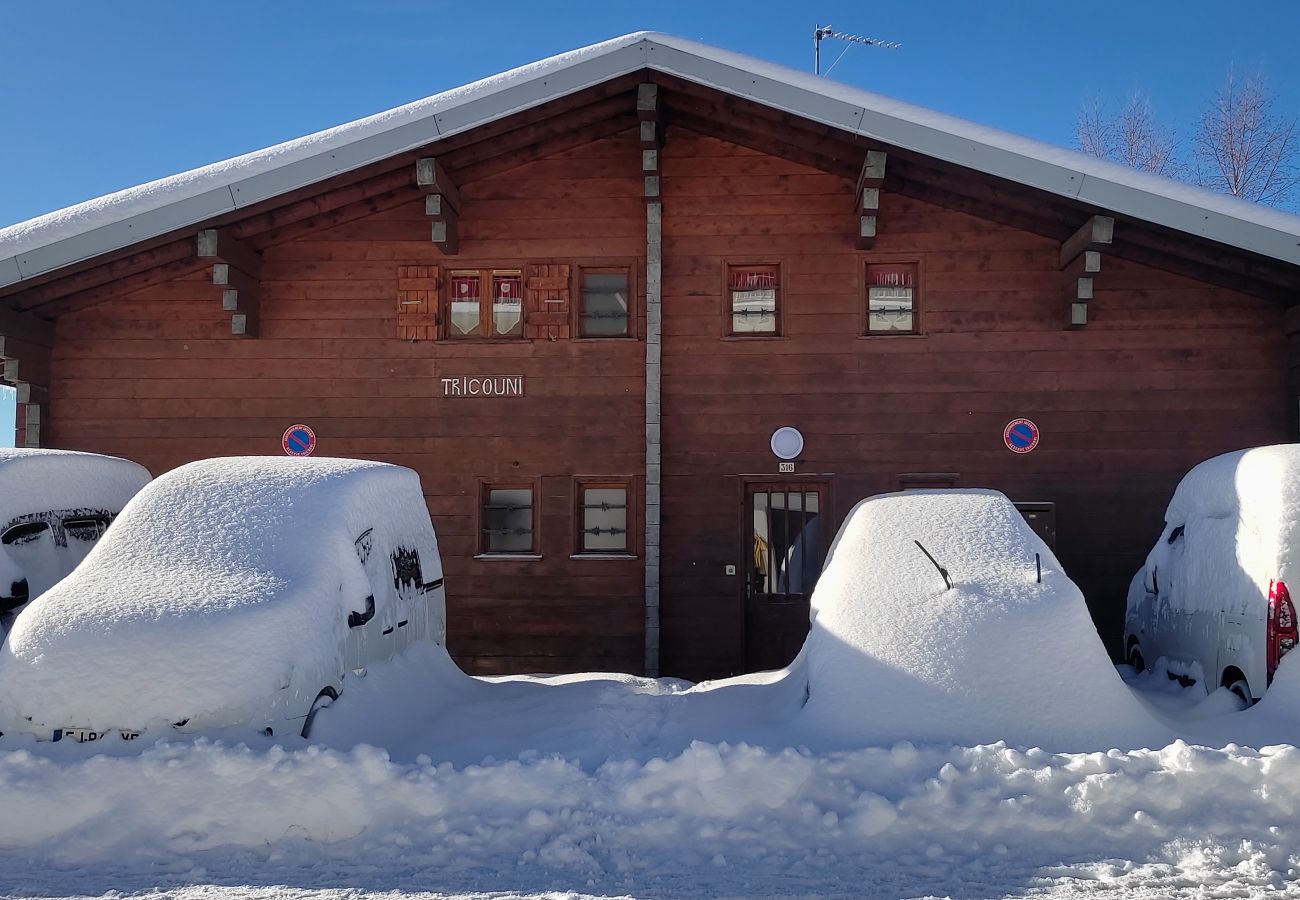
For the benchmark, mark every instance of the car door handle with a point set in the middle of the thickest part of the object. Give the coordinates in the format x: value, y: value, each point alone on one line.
x: 356, y: 619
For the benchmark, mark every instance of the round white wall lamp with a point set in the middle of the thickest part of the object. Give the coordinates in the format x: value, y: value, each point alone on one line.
x: 787, y: 442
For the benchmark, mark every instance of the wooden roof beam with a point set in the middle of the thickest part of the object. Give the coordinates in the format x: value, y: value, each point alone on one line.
x: 237, y: 275
x: 25, y: 366
x: 441, y: 204
x: 867, y: 196
x: 651, y: 127
x: 432, y: 178
x: 218, y: 245
x: 1081, y: 264
x: 1095, y: 234
x: 106, y: 275
x: 27, y: 327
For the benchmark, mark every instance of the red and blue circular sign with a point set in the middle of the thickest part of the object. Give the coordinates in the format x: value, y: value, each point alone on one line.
x: 298, y: 440
x: 1020, y: 435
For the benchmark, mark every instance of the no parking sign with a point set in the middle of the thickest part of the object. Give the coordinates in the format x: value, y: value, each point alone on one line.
x: 1020, y: 435
x: 298, y: 440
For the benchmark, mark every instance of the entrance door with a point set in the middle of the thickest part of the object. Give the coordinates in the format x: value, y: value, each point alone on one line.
x: 784, y: 545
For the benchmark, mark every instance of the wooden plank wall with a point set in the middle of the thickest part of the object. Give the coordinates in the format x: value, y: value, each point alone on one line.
x: 1168, y: 372
x: 156, y: 377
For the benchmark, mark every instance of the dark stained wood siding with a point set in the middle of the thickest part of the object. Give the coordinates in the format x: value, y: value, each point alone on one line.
x: 155, y: 376
x: 1168, y: 372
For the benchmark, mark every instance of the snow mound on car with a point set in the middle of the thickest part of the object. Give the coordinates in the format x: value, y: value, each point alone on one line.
x: 894, y: 654
x: 215, y: 581
x: 1250, y: 500
x: 36, y: 480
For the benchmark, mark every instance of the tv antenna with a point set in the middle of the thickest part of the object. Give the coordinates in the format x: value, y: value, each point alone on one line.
x: 825, y: 31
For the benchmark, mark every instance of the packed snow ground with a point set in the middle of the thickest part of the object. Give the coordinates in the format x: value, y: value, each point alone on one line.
x: 614, y: 798
x: 425, y: 782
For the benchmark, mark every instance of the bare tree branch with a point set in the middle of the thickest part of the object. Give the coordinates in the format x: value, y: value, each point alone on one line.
x: 1244, y: 147
x: 1133, y: 137
x: 1092, y: 133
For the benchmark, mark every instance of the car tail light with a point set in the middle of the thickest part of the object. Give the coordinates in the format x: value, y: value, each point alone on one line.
x: 1282, y: 633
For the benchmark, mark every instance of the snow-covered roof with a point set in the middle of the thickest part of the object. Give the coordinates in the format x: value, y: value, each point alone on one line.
x: 119, y: 220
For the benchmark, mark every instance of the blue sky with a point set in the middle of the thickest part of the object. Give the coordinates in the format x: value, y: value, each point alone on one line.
x: 101, y: 96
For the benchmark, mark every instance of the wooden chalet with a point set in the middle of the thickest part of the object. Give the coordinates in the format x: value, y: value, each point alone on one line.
x: 584, y: 298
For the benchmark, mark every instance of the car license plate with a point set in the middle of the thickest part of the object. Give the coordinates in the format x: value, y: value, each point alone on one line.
x: 86, y: 735
x: 80, y: 735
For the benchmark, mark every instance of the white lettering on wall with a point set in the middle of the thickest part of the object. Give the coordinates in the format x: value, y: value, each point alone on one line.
x: 483, y: 386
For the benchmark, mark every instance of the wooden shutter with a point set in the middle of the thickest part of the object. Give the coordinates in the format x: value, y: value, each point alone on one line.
x: 548, y: 289
x: 417, y: 303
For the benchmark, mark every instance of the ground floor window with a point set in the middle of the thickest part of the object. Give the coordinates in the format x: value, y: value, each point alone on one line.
x: 508, y: 522
x: 602, y: 517
x: 606, y: 302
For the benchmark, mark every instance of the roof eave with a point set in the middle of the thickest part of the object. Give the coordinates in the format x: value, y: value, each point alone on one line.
x: 796, y: 93
x: 439, y: 122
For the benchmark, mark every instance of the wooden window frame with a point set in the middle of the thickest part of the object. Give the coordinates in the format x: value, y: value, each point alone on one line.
x: 485, y: 299
x: 484, y: 491
x: 580, y: 486
x: 918, y: 295
x: 633, y: 305
x: 728, y: 319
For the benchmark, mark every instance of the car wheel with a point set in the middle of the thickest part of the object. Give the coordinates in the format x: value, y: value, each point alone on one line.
x: 1135, y: 659
x: 323, y: 699
x: 1242, y: 690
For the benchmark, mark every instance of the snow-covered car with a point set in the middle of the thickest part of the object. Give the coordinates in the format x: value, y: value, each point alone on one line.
x: 54, y: 506
x: 230, y: 592
x: 1212, y: 600
x: 941, y: 615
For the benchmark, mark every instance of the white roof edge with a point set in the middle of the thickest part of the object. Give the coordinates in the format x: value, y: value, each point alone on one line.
x: 86, y: 230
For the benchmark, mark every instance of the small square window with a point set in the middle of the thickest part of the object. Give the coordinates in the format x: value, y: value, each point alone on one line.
x: 602, y: 518
x: 891, y: 299
x: 508, y: 520
x: 754, y: 293
x: 605, y: 303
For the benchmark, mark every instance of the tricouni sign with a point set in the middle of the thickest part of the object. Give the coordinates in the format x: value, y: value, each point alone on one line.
x: 483, y: 386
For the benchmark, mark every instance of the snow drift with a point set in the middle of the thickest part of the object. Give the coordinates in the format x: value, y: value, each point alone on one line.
x: 894, y: 654
x: 220, y: 583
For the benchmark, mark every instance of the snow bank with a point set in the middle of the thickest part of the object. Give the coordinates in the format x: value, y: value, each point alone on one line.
x: 893, y: 654
x: 218, y: 584
x: 715, y: 820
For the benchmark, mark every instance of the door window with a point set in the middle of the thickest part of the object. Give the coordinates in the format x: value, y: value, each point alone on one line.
x: 787, y: 553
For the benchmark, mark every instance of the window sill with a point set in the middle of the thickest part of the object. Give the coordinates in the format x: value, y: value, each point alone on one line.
x: 509, y: 556
x: 484, y: 340
x: 875, y: 336
x: 604, y: 556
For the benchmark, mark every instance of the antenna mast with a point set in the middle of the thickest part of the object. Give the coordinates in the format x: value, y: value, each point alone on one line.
x: 825, y: 31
